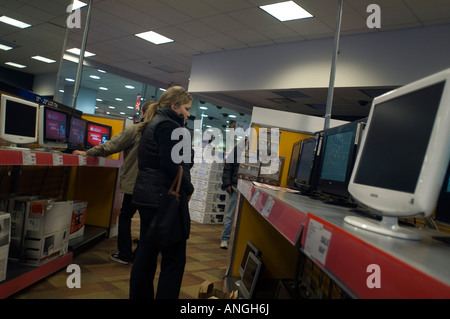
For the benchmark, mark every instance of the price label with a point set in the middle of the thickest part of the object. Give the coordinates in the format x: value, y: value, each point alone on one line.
x: 28, y: 158
x: 255, y: 198
x: 57, y: 159
x: 268, y: 207
x: 81, y: 160
x: 101, y: 161
x: 317, y: 241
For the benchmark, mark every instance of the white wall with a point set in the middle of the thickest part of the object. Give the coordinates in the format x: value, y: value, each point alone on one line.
x: 292, y: 121
x: 385, y: 58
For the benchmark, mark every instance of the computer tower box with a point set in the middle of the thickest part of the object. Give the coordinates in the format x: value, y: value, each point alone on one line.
x: 17, y: 208
x: 47, y: 231
x: 78, y: 219
x: 5, y: 237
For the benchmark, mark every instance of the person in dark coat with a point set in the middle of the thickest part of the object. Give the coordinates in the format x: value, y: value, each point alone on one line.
x: 157, y: 170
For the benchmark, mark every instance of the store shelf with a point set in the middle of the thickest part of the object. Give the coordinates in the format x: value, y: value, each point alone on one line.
x: 92, y: 234
x: 407, y: 269
x: 32, y: 157
x: 20, y: 276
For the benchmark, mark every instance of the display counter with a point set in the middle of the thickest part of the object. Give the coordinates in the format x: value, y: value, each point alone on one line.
x: 364, y: 264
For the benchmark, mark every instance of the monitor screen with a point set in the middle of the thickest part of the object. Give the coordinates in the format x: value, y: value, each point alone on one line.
x: 53, y: 125
x: 97, y: 134
x: 443, y: 205
x: 402, y: 162
x: 306, y: 162
x: 18, y: 120
x: 77, y: 132
x: 337, y: 157
x: 251, y: 275
x: 250, y: 247
x: 293, y: 163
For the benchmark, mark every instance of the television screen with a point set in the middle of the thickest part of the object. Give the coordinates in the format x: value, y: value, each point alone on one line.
x: 307, y: 163
x: 337, y: 157
x: 77, y: 132
x: 18, y: 120
x: 55, y: 125
x: 293, y: 164
x: 443, y: 205
x: 97, y: 134
x: 251, y: 275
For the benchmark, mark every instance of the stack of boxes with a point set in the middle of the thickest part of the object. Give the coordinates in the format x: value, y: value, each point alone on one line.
x: 208, y: 204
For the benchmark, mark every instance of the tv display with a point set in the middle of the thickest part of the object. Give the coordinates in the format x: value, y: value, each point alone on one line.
x: 251, y: 275
x: 443, y: 205
x: 337, y: 156
x: 404, y: 155
x: 18, y: 120
x: 293, y: 163
x: 97, y: 134
x: 53, y: 125
x: 250, y: 247
x: 305, y: 177
x: 77, y: 133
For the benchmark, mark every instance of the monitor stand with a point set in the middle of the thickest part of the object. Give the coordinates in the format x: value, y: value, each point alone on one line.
x: 14, y: 147
x: 387, y: 226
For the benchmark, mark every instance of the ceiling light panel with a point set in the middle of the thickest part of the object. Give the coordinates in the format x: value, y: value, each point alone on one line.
x: 43, y: 59
x: 286, y: 11
x: 16, y: 65
x: 14, y: 22
x: 153, y: 37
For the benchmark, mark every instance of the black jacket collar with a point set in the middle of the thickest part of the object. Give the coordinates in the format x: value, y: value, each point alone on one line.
x: 172, y: 115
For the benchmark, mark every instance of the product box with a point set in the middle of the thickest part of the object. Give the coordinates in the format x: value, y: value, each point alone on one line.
x: 205, y: 185
x: 207, y: 218
x: 47, y: 230
x: 5, y: 238
x: 17, y: 208
x: 78, y: 219
x: 207, y: 207
x: 209, y: 197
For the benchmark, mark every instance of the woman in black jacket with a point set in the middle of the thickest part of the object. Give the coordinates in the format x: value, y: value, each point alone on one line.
x: 157, y: 170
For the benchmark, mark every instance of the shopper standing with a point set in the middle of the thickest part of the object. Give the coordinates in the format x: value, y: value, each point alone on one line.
x: 157, y: 170
x: 126, y: 141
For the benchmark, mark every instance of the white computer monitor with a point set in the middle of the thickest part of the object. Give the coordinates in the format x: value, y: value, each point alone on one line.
x: 18, y: 120
x: 401, y: 164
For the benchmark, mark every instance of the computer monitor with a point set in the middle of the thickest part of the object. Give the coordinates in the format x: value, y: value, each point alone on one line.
x: 305, y: 177
x: 404, y: 155
x: 53, y: 125
x: 251, y: 275
x: 443, y: 205
x: 18, y: 120
x: 77, y: 133
x: 293, y: 163
x: 250, y: 247
x: 337, y: 157
x: 97, y: 134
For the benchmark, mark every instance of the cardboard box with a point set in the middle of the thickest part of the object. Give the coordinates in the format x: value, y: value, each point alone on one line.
x: 78, y: 219
x: 5, y: 238
x: 207, y: 291
x: 47, y: 231
x: 206, y: 218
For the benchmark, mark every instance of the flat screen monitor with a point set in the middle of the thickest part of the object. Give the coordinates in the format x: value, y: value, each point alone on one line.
x: 307, y: 163
x: 293, y: 163
x: 97, y: 134
x: 443, y: 205
x: 18, y: 120
x: 77, y: 133
x: 251, y: 275
x: 53, y: 125
x: 249, y: 247
x: 337, y: 157
x: 404, y: 154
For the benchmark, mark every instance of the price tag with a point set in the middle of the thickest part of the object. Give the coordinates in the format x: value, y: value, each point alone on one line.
x: 57, y: 159
x: 101, y: 161
x: 28, y: 158
x: 255, y: 198
x: 268, y: 207
x: 81, y: 160
x: 317, y: 241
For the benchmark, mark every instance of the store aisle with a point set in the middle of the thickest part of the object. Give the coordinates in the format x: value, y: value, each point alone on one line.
x: 102, y: 278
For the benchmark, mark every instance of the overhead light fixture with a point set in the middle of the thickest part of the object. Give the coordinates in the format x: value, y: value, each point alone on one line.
x: 5, y: 47
x: 112, y: 107
x: 103, y: 88
x: 99, y: 100
x: 286, y: 11
x: 78, y: 4
x: 129, y: 87
x: 14, y: 22
x: 130, y: 107
x: 118, y: 99
x: 43, y: 59
x: 70, y: 80
x: 77, y: 51
x: 153, y: 37
x: 95, y: 77
x: 16, y: 65
x: 232, y: 116
x: 203, y: 107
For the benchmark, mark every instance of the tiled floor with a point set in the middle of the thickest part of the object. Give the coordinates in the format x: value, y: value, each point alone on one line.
x: 102, y: 278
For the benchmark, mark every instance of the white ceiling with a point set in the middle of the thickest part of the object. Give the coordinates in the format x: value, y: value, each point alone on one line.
x: 199, y: 27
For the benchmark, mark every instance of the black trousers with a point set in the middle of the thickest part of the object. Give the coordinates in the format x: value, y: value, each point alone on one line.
x: 127, y: 212
x: 173, y: 260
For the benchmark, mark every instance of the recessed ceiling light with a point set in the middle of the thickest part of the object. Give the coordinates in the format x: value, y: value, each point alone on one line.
x: 286, y: 11
x: 14, y: 22
x: 203, y: 107
x: 99, y: 100
x: 78, y: 4
x: 118, y: 99
x: 95, y: 77
x: 103, y: 88
x: 112, y: 107
x: 5, y: 47
x: 70, y: 80
x: 101, y: 71
x: 129, y: 87
x: 153, y: 37
x: 231, y: 115
x: 77, y: 52
x: 43, y: 59
x: 16, y: 65
x: 130, y: 107
x: 123, y: 113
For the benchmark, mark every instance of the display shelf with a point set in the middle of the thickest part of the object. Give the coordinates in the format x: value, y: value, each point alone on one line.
x: 32, y: 157
x: 405, y: 269
x: 20, y: 276
x: 91, y: 235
